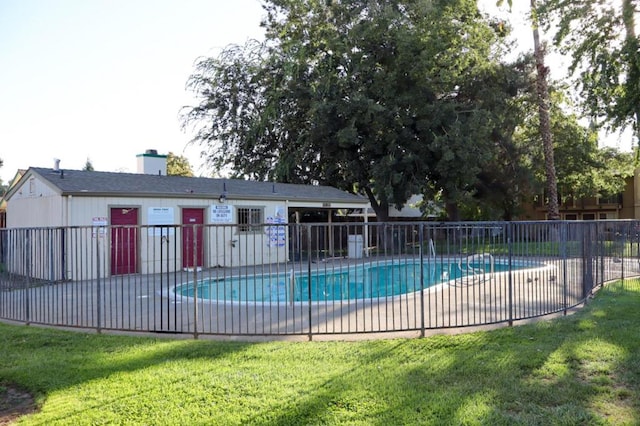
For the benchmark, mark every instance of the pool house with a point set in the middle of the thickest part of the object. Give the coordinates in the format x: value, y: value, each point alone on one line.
x: 147, y: 221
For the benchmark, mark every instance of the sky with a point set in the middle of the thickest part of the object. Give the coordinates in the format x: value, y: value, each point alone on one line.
x: 105, y: 80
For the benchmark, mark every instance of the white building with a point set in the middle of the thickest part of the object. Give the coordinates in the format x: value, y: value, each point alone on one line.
x: 193, y: 222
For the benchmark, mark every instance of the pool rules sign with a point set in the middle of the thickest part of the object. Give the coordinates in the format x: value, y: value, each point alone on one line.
x: 277, y: 235
x: 221, y: 213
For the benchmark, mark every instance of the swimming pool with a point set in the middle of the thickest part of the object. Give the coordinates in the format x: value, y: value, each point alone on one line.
x: 363, y: 281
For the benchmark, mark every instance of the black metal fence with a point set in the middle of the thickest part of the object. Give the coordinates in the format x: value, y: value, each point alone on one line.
x: 308, y: 279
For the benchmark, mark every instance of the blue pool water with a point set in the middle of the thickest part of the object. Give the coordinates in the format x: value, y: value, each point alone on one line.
x: 368, y: 281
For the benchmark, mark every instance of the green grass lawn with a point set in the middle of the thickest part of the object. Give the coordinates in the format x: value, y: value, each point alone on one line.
x: 568, y: 248
x: 581, y: 369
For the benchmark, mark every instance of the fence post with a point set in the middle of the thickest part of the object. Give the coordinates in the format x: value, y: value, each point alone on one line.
x: 564, y: 235
x: 98, y: 287
x: 27, y: 269
x: 421, y: 248
x: 623, y: 240
x: 161, y: 281
x: 510, y: 226
x: 601, y: 254
x: 587, y: 265
x: 168, y: 268
x: 310, y: 311
x: 195, y: 282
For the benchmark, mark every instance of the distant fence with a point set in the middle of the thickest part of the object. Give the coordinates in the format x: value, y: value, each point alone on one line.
x: 308, y: 279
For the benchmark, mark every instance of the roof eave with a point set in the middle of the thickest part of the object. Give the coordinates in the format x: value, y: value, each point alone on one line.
x: 283, y: 198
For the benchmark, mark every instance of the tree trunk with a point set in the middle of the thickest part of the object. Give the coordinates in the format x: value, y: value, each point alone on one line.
x: 631, y: 40
x: 453, y: 212
x: 542, y: 97
x: 384, y: 232
x: 380, y: 208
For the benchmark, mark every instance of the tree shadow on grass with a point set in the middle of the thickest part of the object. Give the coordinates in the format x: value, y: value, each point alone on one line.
x: 575, y: 370
x: 582, y: 369
x: 77, y: 358
x: 14, y: 403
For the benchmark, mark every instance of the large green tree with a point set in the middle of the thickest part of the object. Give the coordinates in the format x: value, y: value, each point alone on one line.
x: 509, y: 178
x: 383, y: 98
x: 601, y: 39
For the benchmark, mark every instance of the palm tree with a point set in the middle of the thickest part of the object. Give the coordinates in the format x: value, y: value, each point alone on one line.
x: 542, y: 98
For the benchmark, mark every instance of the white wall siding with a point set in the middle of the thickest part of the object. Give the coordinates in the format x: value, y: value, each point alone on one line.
x: 81, y: 246
x: 30, y: 212
x: 224, y: 244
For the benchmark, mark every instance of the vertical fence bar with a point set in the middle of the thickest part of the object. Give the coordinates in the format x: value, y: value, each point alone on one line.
x: 510, y: 227
x: 563, y: 256
x: 421, y: 254
x: 27, y: 269
x: 623, y: 244
x: 309, y: 309
x: 152, y: 241
x: 98, y: 288
x: 166, y: 241
x: 195, y: 281
x: 587, y: 264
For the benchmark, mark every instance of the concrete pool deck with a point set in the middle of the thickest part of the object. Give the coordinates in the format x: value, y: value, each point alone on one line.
x: 143, y: 304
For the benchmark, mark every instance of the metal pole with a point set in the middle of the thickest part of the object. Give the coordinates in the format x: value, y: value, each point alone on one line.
x: 154, y: 229
x: 27, y: 258
x: 563, y: 254
x: 623, y: 239
x: 421, y: 248
x: 308, y: 229
x: 195, y: 283
x: 168, y: 269
x: 98, y: 288
x: 587, y: 266
x: 510, y: 267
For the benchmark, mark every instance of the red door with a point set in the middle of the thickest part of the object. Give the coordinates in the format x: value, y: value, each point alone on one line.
x: 124, y: 240
x: 192, y: 238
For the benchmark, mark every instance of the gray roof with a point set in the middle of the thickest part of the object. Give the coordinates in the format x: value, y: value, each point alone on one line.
x: 80, y: 182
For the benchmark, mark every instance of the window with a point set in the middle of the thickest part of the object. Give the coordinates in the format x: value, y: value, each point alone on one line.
x: 250, y: 219
x: 610, y: 199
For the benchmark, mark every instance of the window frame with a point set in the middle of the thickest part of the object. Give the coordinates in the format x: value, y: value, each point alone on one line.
x: 611, y: 199
x: 245, y: 219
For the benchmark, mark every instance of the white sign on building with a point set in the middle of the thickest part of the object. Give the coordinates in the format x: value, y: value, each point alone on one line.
x: 99, y: 226
x: 277, y: 234
x: 221, y: 213
x: 160, y: 216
